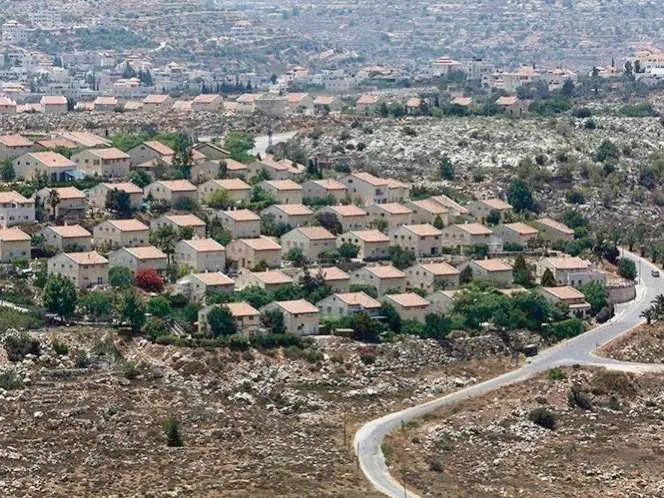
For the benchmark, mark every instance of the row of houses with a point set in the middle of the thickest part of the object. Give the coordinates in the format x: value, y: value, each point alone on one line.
x: 50, y: 104
x: 367, y: 104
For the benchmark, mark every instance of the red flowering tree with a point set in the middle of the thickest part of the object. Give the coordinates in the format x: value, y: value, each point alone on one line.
x: 149, y: 280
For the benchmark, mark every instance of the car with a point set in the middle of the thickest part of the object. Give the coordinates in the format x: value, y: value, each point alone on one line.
x: 655, y: 273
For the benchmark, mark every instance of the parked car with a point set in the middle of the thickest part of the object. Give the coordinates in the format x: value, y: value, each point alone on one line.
x: 655, y: 273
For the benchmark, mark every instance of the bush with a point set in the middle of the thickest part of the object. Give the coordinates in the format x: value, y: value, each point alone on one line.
x: 185, y: 204
x: 60, y: 348
x: 642, y: 110
x: 581, y: 112
x: 108, y: 351
x: 81, y: 360
x: 13, y: 319
x: 129, y: 370
x: 606, y: 381
x: 155, y: 328
x: 543, y: 417
x: 576, y: 397
x: 19, y: 346
x: 239, y: 342
x: 436, y: 466
x: 627, y: 268
x: 556, y: 374
x: 173, y: 432
x: 575, y: 197
x: 604, y: 314
x: 9, y: 381
x: 149, y: 280
x: 564, y: 329
x: 368, y: 356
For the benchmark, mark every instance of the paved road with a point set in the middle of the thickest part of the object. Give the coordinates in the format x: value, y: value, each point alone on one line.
x: 578, y: 350
x: 261, y: 142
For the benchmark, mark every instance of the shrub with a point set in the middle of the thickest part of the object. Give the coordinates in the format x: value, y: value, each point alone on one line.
x: 604, y: 314
x: 60, y: 348
x: 9, y: 381
x: 129, y: 370
x: 81, y: 360
x: 155, y: 328
x: 576, y: 397
x: 543, y: 417
x: 19, y: 346
x: 185, y: 204
x: 556, y: 374
x: 575, y: 197
x: 107, y: 350
x: 149, y: 280
x: 605, y: 382
x: 173, y: 432
x: 627, y: 268
x: 238, y: 342
x: 436, y: 466
x: 581, y: 112
x: 368, y: 356
x: 313, y: 356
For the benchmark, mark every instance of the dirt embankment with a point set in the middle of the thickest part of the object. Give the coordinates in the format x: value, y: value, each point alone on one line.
x: 607, y: 440
x: 645, y: 344
x: 88, y: 421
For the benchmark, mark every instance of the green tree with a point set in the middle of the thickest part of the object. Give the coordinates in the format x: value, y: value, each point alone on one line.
x: 296, y: 256
x: 239, y: 143
x: 140, y: 178
x: 348, y: 250
x: 53, y: 201
x: 159, y: 306
x: 392, y: 318
x: 436, y: 326
x: 446, y: 168
x: 7, y: 172
x: 219, y: 199
x: 120, y: 277
x: 466, y: 275
x: 330, y: 221
x: 273, y: 320
x: 438, y: 222
x: 221, y: 321
x: 183, y: 159
x: 186, y: 233
x: 596, y: 295
x: 522, y: 275
x: 118, y: 201
x: 520, y: 197
x: 380, y: 224
x: 365, y: 328
x: 402, y: 258
x: 607, y: 151
x: 627, y: 268
x: 165, y: 238
x: 132, y: 311
x: 173, y: 432
x: 97, y: 304
x: 548, y: 280
x: 60, y: 296
x: 493, y: 218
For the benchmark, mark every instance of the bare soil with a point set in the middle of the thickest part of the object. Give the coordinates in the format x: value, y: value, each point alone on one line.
x: 644, y: 344
x: 488, y: 447
x: 253, y: 424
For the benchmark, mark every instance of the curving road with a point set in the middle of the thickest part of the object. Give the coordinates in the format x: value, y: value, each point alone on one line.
x: 578, y: 350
